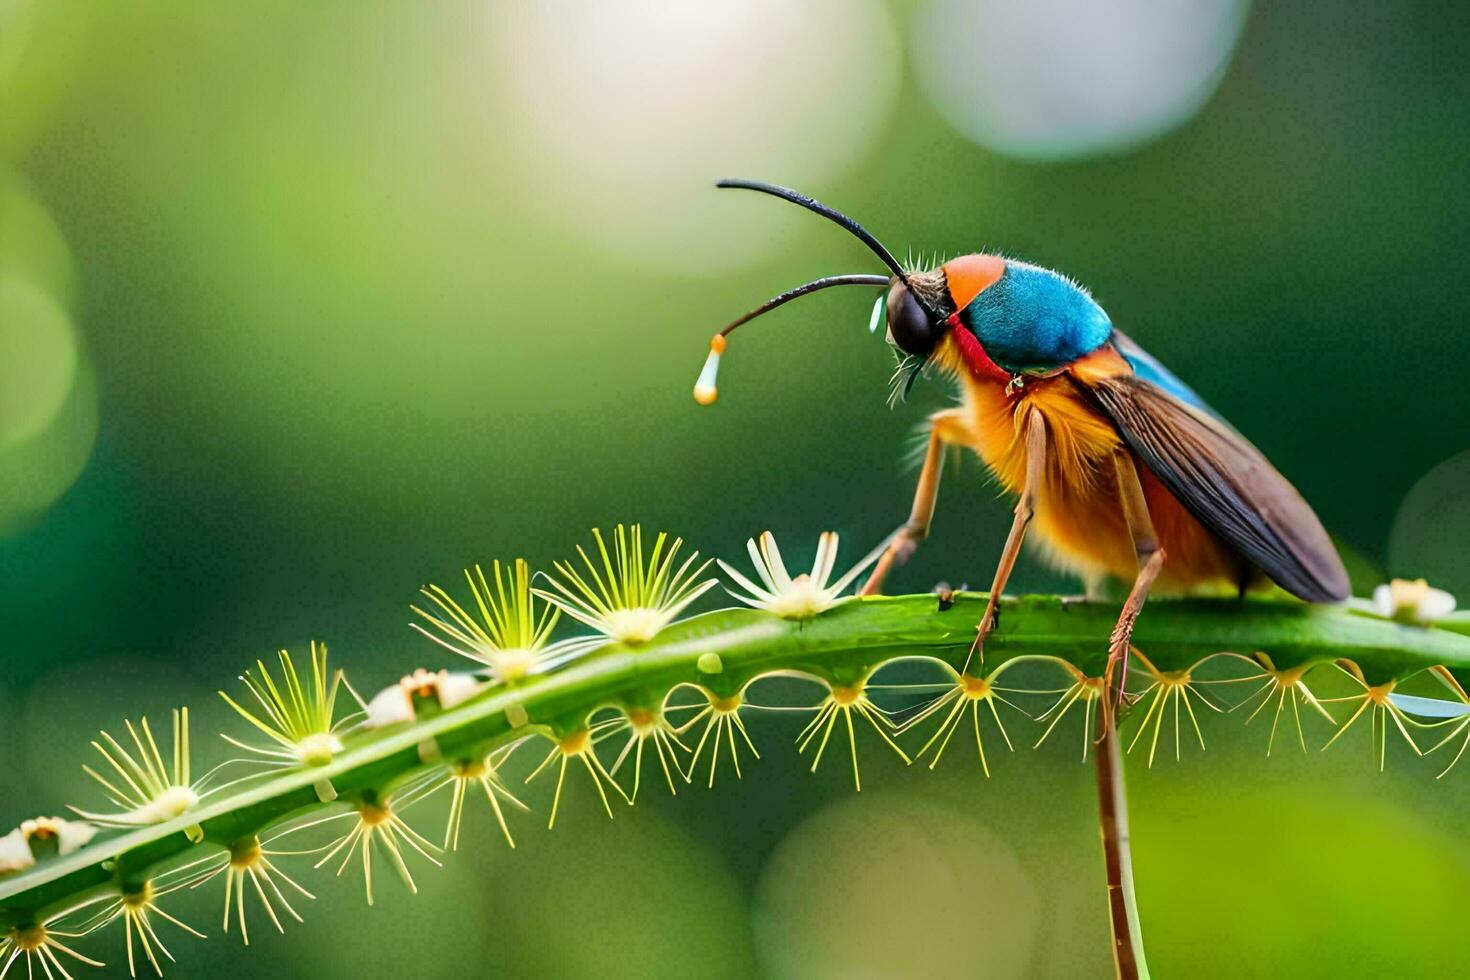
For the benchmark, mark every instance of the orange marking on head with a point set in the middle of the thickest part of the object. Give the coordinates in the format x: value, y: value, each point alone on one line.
x: 968, y: 275
x: 1105, y: 362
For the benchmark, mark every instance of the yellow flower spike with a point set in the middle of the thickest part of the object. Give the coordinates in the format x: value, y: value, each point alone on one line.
x: 1376, y: 701
x: 484, y: 772
x: 803, y: 596
x: 578, y: 745
x: 623, y: 596
x: 246, y: 861
x: 645, y: 725
x: 1460, y: 730
x: 721, y: 717
x: 1087, y: 691
x: 846, y: 700
x: 146, y: 788
x: 378, y: 824
x: 1178, y: 687
x: 298, y: 718
x: 137, y: 907
x: 1459, y: 727
x: 1284, y: 686
x: 510, y: 636
x: 967, y: 693
x: 39, y: 942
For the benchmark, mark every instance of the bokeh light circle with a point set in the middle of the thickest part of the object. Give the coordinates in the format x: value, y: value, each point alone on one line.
x: 1066, y: 79
x: 837, y: 898
x: 32, y: 247
x: 1432, y: 527
x: 45, y: 444
x: 623, y: 115
x: 38, y: 361
x: 48, y: 397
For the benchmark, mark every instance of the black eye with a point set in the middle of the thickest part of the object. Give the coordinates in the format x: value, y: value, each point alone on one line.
x: 908, y: 325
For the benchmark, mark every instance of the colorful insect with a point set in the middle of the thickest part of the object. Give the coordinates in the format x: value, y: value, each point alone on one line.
x: 1121, y: 468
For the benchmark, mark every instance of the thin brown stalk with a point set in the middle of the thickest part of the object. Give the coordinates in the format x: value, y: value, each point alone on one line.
x: 1112, y: 805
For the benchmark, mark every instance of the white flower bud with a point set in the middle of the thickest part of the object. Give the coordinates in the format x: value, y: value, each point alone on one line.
x: 15, y: 852
x: 1412, y: 601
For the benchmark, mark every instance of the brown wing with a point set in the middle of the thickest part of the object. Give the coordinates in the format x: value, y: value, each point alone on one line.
x: 1227, y: 485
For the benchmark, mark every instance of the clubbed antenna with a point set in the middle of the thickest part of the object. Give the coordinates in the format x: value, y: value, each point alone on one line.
x: 705, y: 389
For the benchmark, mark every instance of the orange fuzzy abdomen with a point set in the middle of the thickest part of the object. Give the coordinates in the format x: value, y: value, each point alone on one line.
x: 1079, y: 516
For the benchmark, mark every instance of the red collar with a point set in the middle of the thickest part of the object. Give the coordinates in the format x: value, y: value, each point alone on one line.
x: 973, y: 352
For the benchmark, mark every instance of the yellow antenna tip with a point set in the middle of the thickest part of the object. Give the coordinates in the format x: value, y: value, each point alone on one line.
x: 705, y: 390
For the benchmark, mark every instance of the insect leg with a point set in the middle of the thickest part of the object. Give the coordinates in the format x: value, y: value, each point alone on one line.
x: 1025, y: 508
x: 1150, y: 560
x: 945, y: 429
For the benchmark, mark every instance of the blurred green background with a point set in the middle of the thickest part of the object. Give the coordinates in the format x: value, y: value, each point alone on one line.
x: 303, y: 305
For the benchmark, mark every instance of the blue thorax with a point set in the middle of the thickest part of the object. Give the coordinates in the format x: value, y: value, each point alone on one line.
x: 1032, y: 319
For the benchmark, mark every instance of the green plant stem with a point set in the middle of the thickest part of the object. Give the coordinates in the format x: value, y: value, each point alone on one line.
x: 721, y: 652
